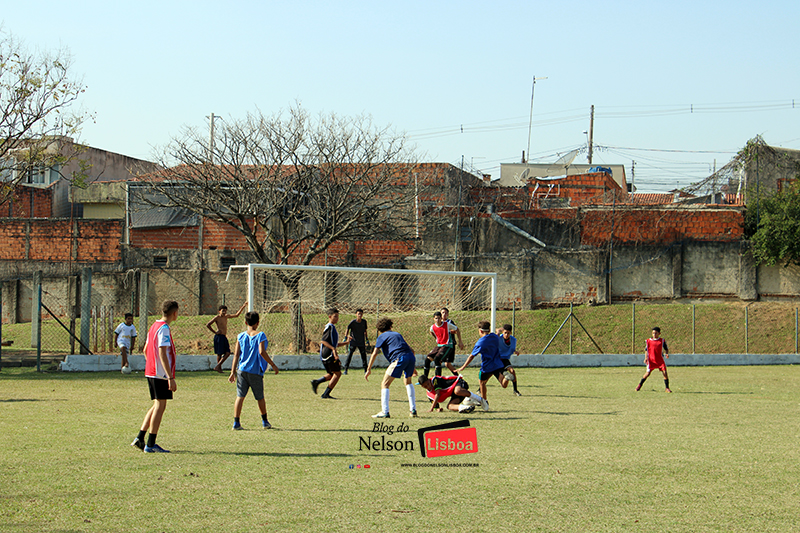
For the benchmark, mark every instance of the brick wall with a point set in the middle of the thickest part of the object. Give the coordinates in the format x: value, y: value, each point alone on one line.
x: 29, y: 202
x: 58, y: 240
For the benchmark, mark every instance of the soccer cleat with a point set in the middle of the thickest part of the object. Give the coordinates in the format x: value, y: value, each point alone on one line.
x: 413, y: 414
x: 237, y: 427
x: 668, y: 390
x: 138, y: 443
x: 155, y: 448
x: 314, y: 385
x: 466, y: 408
x: 517, y: 393
x: 345, y: 372
x: 639, y: 386
x: 327, y: 396
x: 509, y: 376
x: 266, y: 425
x: 485, y: 404
x: 381, y: 415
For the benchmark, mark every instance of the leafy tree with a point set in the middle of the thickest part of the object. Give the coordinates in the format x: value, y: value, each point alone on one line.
x: 36, y: 93
x: 772, y: 223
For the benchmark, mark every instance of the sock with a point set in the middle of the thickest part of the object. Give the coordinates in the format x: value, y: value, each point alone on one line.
x: 475, y: 397
x: 666, y: 383
x: 141, y: 435
x: 642, y: 382
x: 427, y: 366
x: 454, y: 372
x: 515, y: 385
x: 151, y: 440
x: 327, y: 391
x: 385, y: 400
x: 236, y: 421
x: 264, y: 417
x: 320, y: 380
x: 412, y: 397
x: 438, y: 370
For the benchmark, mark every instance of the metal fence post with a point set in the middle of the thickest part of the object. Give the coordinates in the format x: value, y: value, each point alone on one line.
x: 633, y: 328
x: 1, y: 325
x: 746, y: 331
x: 86, y: 308
x: 38, y: 326
x: 514, y: 316
x: 693, y: 329
x: 570, y: 328
x: 36, y: 309
x: 795, y: 331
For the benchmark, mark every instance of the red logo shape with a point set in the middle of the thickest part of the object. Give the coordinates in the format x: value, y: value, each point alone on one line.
x: 451, y: 442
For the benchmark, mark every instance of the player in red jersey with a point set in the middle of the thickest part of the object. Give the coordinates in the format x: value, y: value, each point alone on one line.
x: 655, y: 347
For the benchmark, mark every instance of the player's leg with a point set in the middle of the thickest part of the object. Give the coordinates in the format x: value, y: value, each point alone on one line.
x: 482, y: 389
x: 124, y: 353
x: 409, y: 370
x: 666, y: 379
x: 363, y: 351
x: 644, y: 378
x: 464, y: 392
x: 242, y: 387
x: 334, y: 368
x: 257, y: 384
x: 317, y: 382
x: 350, y: 350
x: 428, y: 360
x: 387, y: 380
x: 139, y: 440
x: 159, y: 406
x: 454, y: 403
x: 437, y: 361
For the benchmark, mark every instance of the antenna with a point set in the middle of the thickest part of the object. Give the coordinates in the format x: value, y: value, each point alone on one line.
x: 522, y: 177
x: 567, y: 158
x: 530, y: 121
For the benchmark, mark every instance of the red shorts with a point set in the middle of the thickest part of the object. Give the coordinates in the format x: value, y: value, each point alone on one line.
x: 656, y: 363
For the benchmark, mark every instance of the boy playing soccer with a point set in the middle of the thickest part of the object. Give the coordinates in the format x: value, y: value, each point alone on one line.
x: 357, y: 333
x: 508, y: 347
x: 125, y: 339
x: 329, y: 356
x: 159, y: 352
x: 454, y: 387
x: 488, y: 347
x: 250, y: 361
x: 401, y: 361
x: 655, y: 346
x: 222, y: 347
x: 450, y: 356
x: 441, y: 331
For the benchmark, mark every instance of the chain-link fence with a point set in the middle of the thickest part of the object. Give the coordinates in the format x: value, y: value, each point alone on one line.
x: 705, y: 328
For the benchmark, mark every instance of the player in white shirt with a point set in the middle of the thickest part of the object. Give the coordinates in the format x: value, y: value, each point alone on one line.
x: 125, y: 339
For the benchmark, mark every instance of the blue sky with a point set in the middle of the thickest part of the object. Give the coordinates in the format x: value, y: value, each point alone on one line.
x: 427, y: 68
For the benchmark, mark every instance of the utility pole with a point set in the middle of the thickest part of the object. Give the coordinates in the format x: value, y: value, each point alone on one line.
x: 526, y: 157
x: 591, y: 132
x: 211, y: 140
x: 633, y: 177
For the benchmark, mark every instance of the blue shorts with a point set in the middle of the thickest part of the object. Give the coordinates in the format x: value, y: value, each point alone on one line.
x: 221, y: 345
x: 402, y: 365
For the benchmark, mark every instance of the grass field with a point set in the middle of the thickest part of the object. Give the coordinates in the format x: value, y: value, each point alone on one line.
x: 579, y: 451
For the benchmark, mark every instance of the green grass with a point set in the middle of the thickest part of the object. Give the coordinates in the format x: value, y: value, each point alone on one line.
x: 579, y: 451
x: 719, y: 328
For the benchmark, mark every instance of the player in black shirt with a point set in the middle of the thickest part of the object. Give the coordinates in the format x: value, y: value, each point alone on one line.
x: 357, y: 331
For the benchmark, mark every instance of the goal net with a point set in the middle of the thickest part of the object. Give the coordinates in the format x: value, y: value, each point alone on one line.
x: 292, y: 301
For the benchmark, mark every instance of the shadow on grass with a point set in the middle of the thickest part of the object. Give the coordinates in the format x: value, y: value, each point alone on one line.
x: 13, y: 400
x: 568, y: 413
x: 712, y: 392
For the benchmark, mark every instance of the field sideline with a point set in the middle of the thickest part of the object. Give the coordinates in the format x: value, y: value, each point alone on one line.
x: 579, y: 451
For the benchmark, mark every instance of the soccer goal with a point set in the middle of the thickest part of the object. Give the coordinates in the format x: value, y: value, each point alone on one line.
x: 292, y: 301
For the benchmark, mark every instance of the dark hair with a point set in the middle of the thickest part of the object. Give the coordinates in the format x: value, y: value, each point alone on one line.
x: 384, y: 324
x: 168, y: 307
x: 251, y: 318
x: 128, y: 315
x: 445, y: 309
x: 658, y: 329
x: 360, y: 311
x: 221, y: 307
x: 483, y: 325
x: 422, y: 380
x: 332, y: 311
x: 507, y: 327
x: 437, y: 313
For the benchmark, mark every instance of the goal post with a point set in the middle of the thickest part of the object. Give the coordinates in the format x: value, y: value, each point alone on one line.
x: 292, y: 300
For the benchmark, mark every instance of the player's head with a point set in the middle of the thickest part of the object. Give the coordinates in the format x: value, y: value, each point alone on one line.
x: 425, y: 383
x: 445, y: 313
x: 484, y: 327
x: 506, y: 333
x: 251, y: 318
x: 128, y: 318
x: 359, y: 313
x: 169, y: 310
x: 656, y: 332
x: 333, y: 315
x: 223, y: 310
x: 437, y: 317
x: 384, y: 325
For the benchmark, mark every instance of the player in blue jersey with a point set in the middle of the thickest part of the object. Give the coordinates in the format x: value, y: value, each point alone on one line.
x: 508, y: 347
x: 488, y: 347
x: 329, y: 356
x: 402, y: 361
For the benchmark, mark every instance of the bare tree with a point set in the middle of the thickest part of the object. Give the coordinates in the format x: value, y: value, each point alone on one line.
x: 293, y: 185
x: 36, y: 92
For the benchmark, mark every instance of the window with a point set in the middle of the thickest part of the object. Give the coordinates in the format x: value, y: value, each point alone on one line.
x: 226, y: 262
x: 160, y: 261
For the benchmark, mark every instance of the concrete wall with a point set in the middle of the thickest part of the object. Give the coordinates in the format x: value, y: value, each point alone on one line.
x: 569, y: 276
x: 779, y: 281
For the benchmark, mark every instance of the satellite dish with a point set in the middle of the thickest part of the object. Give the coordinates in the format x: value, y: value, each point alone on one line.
x: 521, y: 179
x: 566, y: 159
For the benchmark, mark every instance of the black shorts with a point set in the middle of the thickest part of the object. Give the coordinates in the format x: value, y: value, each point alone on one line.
x: 488, y: 375
x: 332, y: 365
x: 221, y: 345
x: 159, y: 389
x: 449, y: 354
x: 462, y: 383
x: 506, y: 363
x: 437, y: 354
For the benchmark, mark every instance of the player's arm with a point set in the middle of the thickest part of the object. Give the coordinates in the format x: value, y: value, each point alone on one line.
x: 666, y: 350
x: 116, y: 337
x: 371, y: 362
x: 133, y: 342
x: 466, y: 363
x: 264, y: 355
x: 458, y: 336
x: 239, y: 312
x: 435, y: 402
x: 210, y: 323
x: 237, y: 352
x: 162, y: 354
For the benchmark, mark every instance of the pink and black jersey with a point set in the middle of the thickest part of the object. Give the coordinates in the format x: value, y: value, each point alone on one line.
x: 442, y: 333
x: 655, y: 351
x: 159, y: 335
